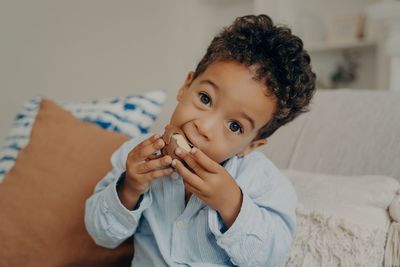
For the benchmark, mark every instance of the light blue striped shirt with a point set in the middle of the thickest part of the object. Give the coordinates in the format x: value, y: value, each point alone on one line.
x: 166, y: 233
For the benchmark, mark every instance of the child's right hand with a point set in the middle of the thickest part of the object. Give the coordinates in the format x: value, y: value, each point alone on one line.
x: 141, y: 168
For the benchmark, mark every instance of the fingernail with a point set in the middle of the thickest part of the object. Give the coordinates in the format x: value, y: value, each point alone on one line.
x: 173, y: 163
x: 156, y: 136
x: 193, y: 150
x: 178, y: 151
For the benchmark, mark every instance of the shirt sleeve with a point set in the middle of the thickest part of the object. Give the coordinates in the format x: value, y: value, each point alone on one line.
x: 263, y: 231
x: 107, y: 220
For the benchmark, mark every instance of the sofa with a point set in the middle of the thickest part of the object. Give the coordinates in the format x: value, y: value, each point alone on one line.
x: 343, y: 158
x: 349, y: 136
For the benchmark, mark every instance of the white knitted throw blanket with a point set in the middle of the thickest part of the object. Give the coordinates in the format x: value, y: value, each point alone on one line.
x: 324, y: 240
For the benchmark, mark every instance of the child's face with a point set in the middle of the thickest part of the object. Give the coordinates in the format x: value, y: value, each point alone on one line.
x: 222, y: 110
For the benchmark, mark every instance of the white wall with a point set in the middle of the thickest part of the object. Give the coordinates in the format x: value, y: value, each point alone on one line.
x: 85, y: 49
x: 80, y: 50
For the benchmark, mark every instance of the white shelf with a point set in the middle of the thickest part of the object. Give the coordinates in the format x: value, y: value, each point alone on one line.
x: 325, y: 46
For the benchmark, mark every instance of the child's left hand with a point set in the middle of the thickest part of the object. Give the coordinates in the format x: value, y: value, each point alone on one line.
x: 210, y: 182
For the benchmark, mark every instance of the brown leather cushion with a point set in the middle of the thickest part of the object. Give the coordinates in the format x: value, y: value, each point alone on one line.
x: 42, y: 198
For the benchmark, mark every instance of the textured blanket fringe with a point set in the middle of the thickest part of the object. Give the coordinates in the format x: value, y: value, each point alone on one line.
x: 392, y: 251
x: 325, y: 240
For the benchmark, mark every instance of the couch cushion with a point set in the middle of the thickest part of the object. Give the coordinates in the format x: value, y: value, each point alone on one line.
x: 282, y: 143
x: 341, y: 220
x: 42, y: 198
x: 349, y: 132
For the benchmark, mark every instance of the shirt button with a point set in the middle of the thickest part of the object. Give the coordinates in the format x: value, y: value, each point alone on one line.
x: 224, y: 240
x: 175, y: 175
x: 180, y: 223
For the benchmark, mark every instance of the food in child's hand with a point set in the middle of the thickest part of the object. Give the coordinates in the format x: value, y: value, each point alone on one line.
x: 173, y: 138
x: 181, y: 141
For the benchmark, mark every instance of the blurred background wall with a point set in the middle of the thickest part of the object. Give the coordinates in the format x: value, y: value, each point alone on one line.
x: 81, y: 50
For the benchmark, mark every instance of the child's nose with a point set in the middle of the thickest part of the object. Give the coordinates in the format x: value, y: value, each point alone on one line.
x: 205, y: 126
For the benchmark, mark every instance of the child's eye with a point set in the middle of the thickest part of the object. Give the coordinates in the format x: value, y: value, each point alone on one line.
x: 205, y: 99
x: 235, y: 127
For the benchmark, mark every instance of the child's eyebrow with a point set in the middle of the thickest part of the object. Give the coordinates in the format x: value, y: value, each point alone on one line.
x: 247, y: 117
x: 209, y: 82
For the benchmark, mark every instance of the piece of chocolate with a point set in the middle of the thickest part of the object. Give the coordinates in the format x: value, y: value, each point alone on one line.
x: 173, y: 138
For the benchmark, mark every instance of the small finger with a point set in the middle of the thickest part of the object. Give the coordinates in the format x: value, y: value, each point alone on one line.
x: 188, y: 176
x: 191, y: 189
x: 158, y: 173
x: 141, y: 145
x: 154, y: 164
x: 148, y: 150
x: 149, y: 140
x: 204, y: 161
x: 187, y: 157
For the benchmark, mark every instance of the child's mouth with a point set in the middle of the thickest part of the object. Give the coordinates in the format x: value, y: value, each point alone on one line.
x: 175, y: 137
x: 189, y: 142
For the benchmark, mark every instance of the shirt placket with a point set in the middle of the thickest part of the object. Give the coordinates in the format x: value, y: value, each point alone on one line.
x: 181, y: 227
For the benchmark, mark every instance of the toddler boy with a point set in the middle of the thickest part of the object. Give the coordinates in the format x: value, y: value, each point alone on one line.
x: 221, y: 203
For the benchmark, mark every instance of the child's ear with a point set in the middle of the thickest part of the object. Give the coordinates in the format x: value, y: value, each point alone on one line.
x: 185, y: 86
x: 253, y: 145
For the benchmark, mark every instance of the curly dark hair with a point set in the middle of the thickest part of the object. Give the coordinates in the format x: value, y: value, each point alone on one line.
x: 279, y: 59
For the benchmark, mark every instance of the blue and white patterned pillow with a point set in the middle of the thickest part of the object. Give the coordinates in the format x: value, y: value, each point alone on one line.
x: 129, y: 115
